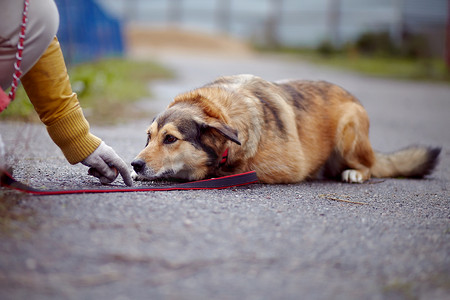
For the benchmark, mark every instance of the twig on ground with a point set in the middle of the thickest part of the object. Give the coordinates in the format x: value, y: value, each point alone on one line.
x: 332, y: 197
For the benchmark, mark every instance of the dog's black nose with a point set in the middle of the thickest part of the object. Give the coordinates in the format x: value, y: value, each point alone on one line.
x: 138, y: 164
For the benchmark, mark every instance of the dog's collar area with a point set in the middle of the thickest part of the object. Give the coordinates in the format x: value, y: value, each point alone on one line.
x: 224, y: 159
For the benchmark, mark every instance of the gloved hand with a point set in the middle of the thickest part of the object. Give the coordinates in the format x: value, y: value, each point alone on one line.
x: 105, y: 164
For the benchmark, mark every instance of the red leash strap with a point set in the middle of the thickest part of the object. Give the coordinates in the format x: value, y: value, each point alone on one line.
x: 224, y: 159
x: 5, y: 100
x: 18, y: 72
x: 209, y: 184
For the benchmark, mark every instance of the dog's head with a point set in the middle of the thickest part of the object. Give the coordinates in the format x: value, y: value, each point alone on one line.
x: 186, y: 141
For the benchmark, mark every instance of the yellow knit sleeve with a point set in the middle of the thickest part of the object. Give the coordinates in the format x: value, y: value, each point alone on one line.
x: 72, y: 135
x: 48, y: 87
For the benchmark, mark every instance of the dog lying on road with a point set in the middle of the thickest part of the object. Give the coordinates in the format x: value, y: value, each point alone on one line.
x: 286, y: 131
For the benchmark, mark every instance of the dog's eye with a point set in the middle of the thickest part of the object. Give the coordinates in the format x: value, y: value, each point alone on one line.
x: 170, y: 139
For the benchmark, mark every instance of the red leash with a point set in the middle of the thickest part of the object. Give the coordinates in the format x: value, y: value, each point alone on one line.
x: 5, y: 100
x: 6, y: 180
x: 18, y: 72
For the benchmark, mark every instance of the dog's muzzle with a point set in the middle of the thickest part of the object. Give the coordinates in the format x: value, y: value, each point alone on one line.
x: 138, y: 165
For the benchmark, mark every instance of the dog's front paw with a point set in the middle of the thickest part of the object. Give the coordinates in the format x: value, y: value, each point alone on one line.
x: 352, y: 176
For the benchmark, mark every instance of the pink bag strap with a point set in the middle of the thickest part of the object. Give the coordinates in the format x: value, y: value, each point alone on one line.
x: 4, y: 100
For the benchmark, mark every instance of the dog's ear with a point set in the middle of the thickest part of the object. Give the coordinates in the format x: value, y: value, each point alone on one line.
x: 224, y: 130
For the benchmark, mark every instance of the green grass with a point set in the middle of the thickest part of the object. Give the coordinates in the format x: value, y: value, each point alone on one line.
x: 384, y: 66
x: 20, y: 109
x: 106, y: 89
x: 389, y: 67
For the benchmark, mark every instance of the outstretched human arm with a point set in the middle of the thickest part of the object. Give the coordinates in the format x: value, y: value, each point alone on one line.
x: 48, y: 87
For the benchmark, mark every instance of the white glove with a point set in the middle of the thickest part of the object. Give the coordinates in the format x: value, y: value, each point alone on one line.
x: 105, y: 164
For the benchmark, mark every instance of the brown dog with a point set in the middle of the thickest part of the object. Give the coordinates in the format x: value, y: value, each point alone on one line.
x: 286, y: 131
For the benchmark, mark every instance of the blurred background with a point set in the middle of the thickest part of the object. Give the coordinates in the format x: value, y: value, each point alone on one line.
x: 114, y: 48
x: 413, y: 28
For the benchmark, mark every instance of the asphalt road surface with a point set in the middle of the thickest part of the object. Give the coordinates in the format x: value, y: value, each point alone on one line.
x: 390, y: 240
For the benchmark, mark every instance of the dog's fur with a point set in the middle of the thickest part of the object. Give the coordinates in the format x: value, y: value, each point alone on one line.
x: 286, y: 131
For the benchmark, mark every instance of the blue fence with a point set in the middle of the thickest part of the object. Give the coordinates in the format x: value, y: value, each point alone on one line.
x: 86, y: 32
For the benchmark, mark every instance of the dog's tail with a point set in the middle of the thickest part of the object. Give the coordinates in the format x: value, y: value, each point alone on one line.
x: 413, y: 161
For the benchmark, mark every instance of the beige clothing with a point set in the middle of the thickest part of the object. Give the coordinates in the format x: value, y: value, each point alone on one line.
x: 42, y: 25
